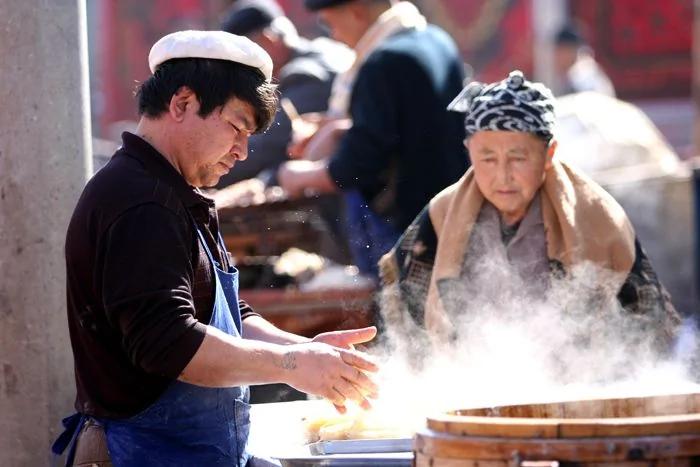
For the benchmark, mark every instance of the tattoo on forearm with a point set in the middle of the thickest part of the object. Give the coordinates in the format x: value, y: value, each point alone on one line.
x: 289, y: 361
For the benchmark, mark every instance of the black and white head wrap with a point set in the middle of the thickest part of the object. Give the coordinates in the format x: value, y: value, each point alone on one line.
x: 513, y: 104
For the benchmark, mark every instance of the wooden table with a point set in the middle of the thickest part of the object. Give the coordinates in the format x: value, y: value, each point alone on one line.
x: 270, y: 228
x: 308, y: 313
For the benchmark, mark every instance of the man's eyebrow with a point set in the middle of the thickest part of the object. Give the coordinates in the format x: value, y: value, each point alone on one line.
x: 250, y: 126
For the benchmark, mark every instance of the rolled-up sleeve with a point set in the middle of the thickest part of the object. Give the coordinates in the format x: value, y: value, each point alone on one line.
x: 246, y: 310
x: 147, y: 289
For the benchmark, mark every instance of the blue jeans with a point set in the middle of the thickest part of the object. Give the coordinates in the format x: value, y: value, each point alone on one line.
x: 369, y: 235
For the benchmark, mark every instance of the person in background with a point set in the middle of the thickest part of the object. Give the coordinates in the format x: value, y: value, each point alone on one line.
x: 522, y: 208
x: 575, y: 65
x: 305, y: 71
x: 403, y: 146
x: 164, y: 349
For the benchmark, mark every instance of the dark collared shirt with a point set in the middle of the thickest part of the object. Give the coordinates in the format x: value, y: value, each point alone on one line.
x: 140, y: 285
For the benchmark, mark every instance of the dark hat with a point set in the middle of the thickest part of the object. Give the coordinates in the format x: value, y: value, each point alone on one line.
x: 248, y: 16
x: 569, y: 34
x: 315, y: 5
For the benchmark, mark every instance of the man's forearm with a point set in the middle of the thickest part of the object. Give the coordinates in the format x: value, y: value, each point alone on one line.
x: 226, y: 361
x: 317, y: 178
x: 258, y: 328
x: 316, y: 368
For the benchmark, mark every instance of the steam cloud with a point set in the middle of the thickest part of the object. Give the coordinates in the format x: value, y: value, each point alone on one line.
x: 518, y: 343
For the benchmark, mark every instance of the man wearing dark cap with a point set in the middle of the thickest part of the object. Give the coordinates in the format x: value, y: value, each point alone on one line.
x: 164, y: 349
x: 575, y: 65
x: 403, y: 146
x: 517, y: 222
x: 304, y: 69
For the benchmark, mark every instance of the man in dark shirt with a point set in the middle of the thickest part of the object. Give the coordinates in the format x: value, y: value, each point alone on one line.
x: 403, y: 146
x: 163, y: 348
x: 304, y: 69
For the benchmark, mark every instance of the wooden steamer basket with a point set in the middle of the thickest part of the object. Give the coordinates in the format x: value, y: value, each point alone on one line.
x: 655, y: 431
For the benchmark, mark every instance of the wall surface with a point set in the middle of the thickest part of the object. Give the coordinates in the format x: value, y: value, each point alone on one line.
x: 44, y: 144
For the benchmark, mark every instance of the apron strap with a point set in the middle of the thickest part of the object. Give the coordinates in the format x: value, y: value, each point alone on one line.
x: 204, y: 242
x: 221, y: 242
x: 206, y: 248
x: 66, y: 440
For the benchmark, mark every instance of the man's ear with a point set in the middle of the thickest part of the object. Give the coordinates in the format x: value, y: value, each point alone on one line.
x: 551, y: 149
x: 182, y: 102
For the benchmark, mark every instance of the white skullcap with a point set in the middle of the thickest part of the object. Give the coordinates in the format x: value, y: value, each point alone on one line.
x: 210, y: 44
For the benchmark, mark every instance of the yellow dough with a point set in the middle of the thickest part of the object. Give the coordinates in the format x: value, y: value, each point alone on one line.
x: 356, y: 424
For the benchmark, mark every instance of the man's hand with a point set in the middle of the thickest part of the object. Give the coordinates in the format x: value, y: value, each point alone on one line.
x: 303, y: 128
x: 297, y: 147
x: 336, y: 374
x: 347, y: 339
x: 291, y: 176
x: 243, y: 193
x: 300, y: 177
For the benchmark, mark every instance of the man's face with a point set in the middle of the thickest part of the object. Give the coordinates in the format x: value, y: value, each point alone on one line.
x: 344, y: 23
x: 272, y: 44
x: 509, y: 168
x: 212, y: 145
x: 565, y: 56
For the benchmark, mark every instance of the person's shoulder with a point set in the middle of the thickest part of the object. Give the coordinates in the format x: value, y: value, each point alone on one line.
x: 440, y: 203
x: 304, y: 69
x: 407, y: 40
x: 122, y: 184
x: 334, y: 55
x: 413, y: 46
x: 320, y: 59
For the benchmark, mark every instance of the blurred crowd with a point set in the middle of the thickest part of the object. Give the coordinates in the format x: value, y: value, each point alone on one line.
x: 364, y: 115
x: 363, y: 138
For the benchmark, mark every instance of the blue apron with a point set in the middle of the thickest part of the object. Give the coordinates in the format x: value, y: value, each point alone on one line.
x: 188, y: 425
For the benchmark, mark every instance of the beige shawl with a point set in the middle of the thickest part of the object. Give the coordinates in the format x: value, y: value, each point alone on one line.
x: 582, y: 223
x: 399, y: 17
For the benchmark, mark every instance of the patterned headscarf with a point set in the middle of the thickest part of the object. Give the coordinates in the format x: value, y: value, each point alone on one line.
x: 513, y: 104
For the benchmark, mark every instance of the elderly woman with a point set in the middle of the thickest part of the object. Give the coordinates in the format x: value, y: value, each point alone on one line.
x: 519, y: 219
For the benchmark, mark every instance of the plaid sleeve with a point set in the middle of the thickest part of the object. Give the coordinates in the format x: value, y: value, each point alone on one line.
x: 643, y: 296
x: 410, y: 263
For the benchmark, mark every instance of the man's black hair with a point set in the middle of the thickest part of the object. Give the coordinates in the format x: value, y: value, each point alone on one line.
x: 214, y: 82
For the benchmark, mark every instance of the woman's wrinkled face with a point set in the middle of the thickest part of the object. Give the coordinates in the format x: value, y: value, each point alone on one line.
x: 509, y: 169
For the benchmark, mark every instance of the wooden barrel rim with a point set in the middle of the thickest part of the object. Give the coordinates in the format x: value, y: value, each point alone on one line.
x: 509, y: 427
x: 441, y: 445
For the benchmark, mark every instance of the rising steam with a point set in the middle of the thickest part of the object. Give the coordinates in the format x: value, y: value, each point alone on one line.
x: 519, y: 343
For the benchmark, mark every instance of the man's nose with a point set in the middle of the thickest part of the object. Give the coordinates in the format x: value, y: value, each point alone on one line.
x: 242, y: 153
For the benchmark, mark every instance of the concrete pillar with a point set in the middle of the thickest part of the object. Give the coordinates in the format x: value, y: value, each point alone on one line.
x: 696, y: 77
x: 44, y: 163
x: 696, y: 147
